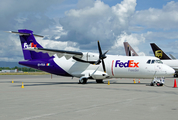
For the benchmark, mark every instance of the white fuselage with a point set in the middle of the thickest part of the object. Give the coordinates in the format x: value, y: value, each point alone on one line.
x: 116, y: 67
x: 171, y: 63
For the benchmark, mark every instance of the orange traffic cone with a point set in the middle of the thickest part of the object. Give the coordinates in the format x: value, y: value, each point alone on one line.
x: 175, y: 84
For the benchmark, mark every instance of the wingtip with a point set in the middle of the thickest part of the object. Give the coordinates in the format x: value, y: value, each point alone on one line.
x: 8, y: 31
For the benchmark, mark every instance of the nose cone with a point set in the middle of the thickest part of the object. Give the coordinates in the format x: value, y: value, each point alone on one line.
x: 169, y: 71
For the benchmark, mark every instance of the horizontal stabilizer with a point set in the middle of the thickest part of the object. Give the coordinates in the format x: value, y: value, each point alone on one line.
x: 172, y: 56
x: 24, y: 33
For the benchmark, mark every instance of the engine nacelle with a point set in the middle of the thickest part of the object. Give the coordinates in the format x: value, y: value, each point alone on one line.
x: 100, y: 75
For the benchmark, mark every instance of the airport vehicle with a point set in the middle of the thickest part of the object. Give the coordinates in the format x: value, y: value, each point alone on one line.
x: 86, y: 65
x: 164, y: 58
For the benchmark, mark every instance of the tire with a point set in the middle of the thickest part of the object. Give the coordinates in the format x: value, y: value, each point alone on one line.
x: 151, y: 84
x: 158, y: 84
x: 99, y: 81
x: 83, y: 81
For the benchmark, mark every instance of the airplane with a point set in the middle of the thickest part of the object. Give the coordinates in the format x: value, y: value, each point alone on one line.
x: 164, y: 58
x: 88, y: 66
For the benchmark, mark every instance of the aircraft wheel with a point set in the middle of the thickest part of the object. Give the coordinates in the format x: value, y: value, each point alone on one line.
x: 83, y: 81
x: 99, y: 81
x: 152, y: 84
x: 159, y: 84
x: 175, y: 75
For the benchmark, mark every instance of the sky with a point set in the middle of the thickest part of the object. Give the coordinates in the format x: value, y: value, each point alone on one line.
x: 77, y: 25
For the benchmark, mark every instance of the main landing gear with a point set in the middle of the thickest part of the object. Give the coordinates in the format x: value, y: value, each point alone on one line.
x: 157, y: 81
x: 84, y: 80
x: 176, y: 75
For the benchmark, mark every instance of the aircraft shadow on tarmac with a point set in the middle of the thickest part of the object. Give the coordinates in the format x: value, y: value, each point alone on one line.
x: 67, y: 83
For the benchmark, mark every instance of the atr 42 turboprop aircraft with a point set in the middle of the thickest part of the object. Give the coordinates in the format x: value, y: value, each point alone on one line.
x: 86, y: 65
x: 164, y: 58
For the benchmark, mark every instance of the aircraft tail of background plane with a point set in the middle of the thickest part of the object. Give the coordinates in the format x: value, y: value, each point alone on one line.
x: 129, y: 50
x: 158, y: 52
x: 28, y: 40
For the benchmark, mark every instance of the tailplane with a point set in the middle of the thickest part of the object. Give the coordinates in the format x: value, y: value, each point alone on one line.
x: 28, y: 41
x: 158, y: 52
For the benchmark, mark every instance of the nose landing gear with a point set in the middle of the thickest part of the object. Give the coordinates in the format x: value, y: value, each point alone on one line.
x: 157, y: 81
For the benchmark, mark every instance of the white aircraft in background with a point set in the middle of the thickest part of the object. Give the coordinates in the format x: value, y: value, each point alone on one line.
x: 86, y: 65
x: 165, y: 59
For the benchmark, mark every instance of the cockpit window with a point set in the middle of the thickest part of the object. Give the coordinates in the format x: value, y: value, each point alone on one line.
x: 153, y: 61
x: 159, y: 62
x: 148, y: 61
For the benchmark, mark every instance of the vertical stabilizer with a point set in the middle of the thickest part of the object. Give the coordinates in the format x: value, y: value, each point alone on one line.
x: 129, y: 50
x: 158, y: 52
x: 27, y: 41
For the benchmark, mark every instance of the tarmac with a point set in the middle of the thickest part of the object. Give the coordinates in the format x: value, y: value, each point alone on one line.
x: 62, y: 98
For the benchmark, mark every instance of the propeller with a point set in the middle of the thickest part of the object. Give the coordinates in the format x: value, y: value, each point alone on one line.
x: 101, y: 57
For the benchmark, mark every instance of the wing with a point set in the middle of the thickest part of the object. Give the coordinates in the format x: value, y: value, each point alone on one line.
x: 59, y: 53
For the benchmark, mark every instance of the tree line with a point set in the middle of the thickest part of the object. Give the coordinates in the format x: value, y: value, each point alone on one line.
x: 24, y: 69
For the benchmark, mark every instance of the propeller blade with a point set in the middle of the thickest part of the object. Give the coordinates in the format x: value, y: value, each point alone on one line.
x: 99, y: 48
x: 103, y: 66
x: 101, y: 57
x: 105, y: 52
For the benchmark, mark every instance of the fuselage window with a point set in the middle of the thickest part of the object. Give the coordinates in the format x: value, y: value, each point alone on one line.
x: 148, y: 61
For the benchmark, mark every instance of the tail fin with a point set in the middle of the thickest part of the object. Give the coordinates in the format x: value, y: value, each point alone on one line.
x: 158, y: 52
x: 129, y: 50
x: 28, y: 40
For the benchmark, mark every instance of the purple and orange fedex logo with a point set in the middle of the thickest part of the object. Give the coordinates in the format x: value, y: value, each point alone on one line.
x: 130, y: 64
x: 30, y: 45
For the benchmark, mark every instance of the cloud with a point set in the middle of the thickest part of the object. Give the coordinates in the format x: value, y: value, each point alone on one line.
x: 165, y: 18
x: 133, y: 39
x: 10, y: 48
x: 160, y: 36
x: 91, y: 20
x: 95, y: 22
x: 25, y: 14
x: 71, y: 46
